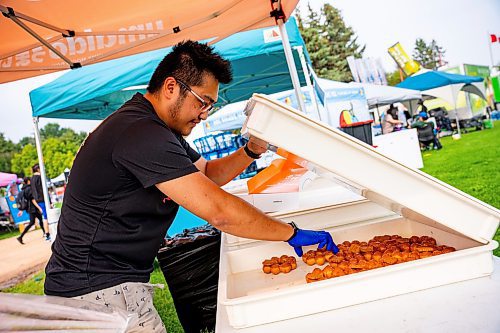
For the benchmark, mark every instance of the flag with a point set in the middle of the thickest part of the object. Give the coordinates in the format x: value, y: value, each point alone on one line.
x: 404, y: 61
x: 494, y: 38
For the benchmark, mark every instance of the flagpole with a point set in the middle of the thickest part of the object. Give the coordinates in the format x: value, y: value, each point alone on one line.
x: 491, y: 52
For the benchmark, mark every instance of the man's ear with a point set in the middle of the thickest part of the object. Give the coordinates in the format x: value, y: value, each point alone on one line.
x: 169, y: 88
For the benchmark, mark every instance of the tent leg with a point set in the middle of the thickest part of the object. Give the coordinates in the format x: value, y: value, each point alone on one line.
x: 455, y: 96
x: 38, y: 144
x: 305, y: 69
x: 291, y: 64
x: 380, y: 120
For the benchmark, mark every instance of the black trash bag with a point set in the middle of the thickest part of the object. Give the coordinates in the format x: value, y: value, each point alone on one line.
x: 190, y: 264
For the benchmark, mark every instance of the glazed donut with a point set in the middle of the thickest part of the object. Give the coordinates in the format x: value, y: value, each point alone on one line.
x: 275, y: 265
x: 320, y: 260
x: 275, y: 269
x: 425, y: 248
x: 354, y: 248
x: 311, y: 261
x: 285, y: 267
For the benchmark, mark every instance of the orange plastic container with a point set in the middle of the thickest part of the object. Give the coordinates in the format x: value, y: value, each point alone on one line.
x: 281, y: 176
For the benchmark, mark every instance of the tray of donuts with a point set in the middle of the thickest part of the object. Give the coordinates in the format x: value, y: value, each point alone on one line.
x: 376, y: 260
x: 380, y: 251
x: 356, y: 256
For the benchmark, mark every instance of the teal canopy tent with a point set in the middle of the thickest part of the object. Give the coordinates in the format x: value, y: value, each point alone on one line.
x: 95, y: 91
x: 435, y: 79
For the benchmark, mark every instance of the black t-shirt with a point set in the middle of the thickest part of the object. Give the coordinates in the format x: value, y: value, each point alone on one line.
x: 36, y: 182
x: 28, y: 194
x: 113, y: 218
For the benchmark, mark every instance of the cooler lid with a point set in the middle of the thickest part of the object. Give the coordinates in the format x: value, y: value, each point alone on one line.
x: 404, y: 190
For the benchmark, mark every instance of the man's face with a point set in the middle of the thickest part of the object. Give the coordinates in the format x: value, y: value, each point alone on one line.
x: 188, y: 111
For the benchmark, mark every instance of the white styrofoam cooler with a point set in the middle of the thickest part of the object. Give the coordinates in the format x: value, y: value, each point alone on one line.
x: 401, y: 201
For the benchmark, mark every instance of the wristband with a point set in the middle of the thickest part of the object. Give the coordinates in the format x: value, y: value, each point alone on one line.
x: 250, y: 153
x: 295, y: 229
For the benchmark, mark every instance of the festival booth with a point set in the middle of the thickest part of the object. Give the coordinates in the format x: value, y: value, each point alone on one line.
x: 454, y: 291
x: 447, y: 87
x: 40, y: 39
x: 402, y: 146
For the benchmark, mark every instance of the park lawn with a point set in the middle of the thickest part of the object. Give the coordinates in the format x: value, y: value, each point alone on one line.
x: 8, y: 234
x: 467, y: 164
x: 471, y: 165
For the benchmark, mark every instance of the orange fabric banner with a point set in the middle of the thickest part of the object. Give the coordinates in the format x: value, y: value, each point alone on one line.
x: 90, y: 31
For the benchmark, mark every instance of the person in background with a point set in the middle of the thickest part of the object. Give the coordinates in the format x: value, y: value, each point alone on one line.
x: 421, y: 106
x: 426, y: 133
x: 390, y: 120
x: 34, y: 210
x: 37, y: 190
x: 131, y: 175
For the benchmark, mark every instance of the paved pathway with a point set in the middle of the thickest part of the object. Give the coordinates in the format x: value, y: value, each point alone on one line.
x: 18, y: 261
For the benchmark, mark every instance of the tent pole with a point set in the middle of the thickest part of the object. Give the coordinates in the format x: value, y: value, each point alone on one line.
x: 303, y: 64
x: 38, y: 144
x: 291, y: 64
x: 380, y: 121
x: 455, y: 96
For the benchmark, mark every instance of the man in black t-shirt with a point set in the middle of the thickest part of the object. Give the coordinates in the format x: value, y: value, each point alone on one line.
x: 129, y: 178
x: 34, y: 210
x: 37, y: 190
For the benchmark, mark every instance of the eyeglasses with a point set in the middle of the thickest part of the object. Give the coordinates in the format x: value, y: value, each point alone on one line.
x: 205, y: 107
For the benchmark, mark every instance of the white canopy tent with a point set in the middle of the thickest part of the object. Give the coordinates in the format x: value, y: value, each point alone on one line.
x: 450, y: 95
x: 376, y: 95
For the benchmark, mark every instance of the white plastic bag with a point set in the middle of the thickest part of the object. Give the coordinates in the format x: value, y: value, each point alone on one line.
x: 30, y: 313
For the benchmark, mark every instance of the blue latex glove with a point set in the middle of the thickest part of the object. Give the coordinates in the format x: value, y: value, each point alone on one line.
x: 310, y: 237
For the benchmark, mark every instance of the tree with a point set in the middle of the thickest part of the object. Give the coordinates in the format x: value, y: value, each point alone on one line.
x: 393, y: 77
x: 26, y: 140
x: 329, y: 42
x: 51, y: 130
x: 59, y: 147
x: 24, y: 160
x: 7, y: 150
x: 430, y: 55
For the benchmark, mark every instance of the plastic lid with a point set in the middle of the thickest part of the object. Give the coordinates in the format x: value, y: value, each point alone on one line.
x: 406, y: 191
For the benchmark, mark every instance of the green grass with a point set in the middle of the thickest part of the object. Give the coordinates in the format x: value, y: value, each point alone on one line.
x: 164, y: 304
x: 471, y: 165
x: 33, y: 285
x: 9, y: 234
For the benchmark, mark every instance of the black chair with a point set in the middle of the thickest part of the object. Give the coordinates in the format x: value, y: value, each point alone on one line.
x: 425, y: 135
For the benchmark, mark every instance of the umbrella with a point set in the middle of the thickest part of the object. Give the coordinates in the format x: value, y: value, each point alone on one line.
x: 7, y: 178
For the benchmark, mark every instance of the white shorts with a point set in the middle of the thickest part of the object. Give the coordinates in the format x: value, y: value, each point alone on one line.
x: 133, y: 297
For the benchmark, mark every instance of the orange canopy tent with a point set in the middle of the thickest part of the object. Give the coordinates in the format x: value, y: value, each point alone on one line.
x: 40, y: 37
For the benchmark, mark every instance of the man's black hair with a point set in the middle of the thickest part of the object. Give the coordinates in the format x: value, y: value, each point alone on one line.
x: 35, y: 167
x: 188, y: 62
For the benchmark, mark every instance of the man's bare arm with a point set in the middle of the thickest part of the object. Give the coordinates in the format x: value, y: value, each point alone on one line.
x: 228, y: 213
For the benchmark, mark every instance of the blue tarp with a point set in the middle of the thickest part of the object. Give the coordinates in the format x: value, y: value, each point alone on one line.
x: 435, y: 79
x: 95, y: 91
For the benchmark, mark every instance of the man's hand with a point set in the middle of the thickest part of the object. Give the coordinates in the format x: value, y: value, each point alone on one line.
x: 257, y: 146
x: 310, y: 237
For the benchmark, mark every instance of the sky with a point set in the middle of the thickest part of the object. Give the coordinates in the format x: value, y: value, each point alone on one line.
x: 461, y: 27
